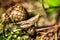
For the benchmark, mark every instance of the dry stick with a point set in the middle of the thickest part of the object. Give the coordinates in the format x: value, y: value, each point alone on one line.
x: 40, y: 29
x: 37, y: 30
x: 56, y: 29
x: 47, y: 33
x: 55, y: 36
x: 52, y: 30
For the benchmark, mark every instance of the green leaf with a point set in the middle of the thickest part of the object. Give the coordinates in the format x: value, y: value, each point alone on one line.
x: 51, y: 2
x: 53, y: 12
x: 1, y: 38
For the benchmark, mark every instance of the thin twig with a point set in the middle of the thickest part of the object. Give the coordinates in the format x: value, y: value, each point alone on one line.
x: 40, y: 29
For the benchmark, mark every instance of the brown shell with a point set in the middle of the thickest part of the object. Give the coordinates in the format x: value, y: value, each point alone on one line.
x: 17, y: 12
